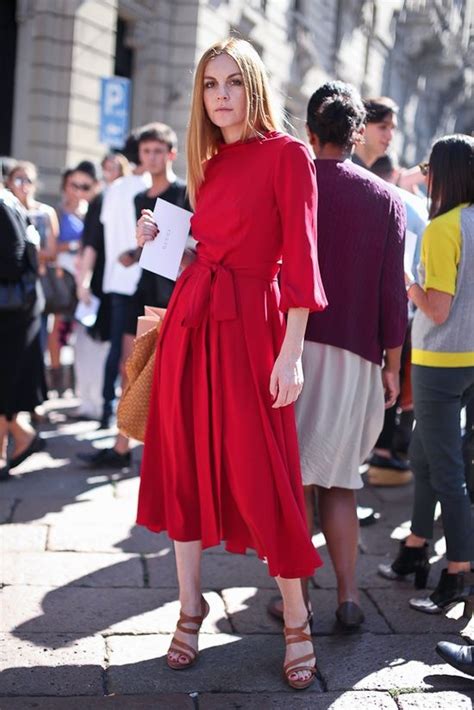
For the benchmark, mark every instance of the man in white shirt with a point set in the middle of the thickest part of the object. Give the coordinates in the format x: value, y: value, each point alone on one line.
x: 119, y: 220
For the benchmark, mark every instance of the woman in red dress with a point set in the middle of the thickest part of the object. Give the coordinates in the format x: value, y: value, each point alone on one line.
x: 221, y: 455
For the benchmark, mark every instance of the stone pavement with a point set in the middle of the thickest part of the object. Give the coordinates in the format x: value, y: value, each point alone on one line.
x: 89, y: 603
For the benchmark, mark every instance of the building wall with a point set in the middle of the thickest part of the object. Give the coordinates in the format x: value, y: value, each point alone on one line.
x: 417, y: 51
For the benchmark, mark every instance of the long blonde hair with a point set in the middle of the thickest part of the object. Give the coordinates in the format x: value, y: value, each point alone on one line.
x: 203, y: 136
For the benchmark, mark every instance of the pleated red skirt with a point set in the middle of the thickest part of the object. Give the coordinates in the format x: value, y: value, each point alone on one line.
x: 219, y: 463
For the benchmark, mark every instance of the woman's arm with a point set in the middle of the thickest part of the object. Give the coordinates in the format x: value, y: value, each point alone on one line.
x: 434, y: 304
x: 84, y: 274
x: 286, y: 381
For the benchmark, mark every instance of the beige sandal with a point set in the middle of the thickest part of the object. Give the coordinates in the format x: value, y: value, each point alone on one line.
x: 297, y: 635
x: 182, y: 648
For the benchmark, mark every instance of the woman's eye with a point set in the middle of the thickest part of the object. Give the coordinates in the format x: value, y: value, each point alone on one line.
x: 236, y: 82
x: 208, y: 84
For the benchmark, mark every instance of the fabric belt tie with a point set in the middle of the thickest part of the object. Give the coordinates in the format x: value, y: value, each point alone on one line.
x: 214, y: 289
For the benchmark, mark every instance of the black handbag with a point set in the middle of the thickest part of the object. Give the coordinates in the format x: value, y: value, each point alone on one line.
x: 20, y: 295
x: 59, y: 290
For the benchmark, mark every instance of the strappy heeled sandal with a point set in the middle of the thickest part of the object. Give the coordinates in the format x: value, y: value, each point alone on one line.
x: 183, y: 649
x: 297, y: 635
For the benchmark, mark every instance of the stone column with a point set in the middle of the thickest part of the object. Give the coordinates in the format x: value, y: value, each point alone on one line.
x: 64, y: 47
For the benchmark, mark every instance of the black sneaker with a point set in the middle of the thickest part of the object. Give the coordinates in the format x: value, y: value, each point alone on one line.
x: 105, y: 458
x: 392, y: 462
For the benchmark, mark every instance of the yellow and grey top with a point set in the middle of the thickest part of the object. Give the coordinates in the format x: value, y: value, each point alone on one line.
x: 447, y: 264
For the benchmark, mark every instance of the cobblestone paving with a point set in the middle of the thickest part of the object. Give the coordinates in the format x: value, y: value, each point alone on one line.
x: 89, y: 603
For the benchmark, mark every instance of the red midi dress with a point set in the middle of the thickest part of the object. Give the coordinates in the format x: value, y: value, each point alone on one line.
x: 219, y: 462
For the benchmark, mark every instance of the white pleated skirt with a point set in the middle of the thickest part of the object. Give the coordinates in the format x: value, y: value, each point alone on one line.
x: 339, y: 415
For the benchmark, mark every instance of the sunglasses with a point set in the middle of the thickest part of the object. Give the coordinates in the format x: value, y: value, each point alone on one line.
x: 424, y: 167
x: 83, y: 186
x: 19, y: 181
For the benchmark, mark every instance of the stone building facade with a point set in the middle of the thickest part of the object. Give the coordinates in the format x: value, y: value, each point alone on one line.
x: 420, y: 52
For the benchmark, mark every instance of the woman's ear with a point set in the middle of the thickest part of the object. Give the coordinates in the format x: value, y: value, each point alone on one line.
x: 312, y: 140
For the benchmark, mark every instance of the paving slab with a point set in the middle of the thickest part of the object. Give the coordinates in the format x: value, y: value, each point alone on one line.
x: 161, y: 701
x: 83, y: 611
x: 7, y: 503
x: 387, y: 662
x: 54, y: 511
x: 366, y: 572
x: 393, y: 604
x: 103, y: 537
x: 436, y: 701
x: 218, y: 571
x: 45, y: 481
x: 56, y: 569
x: 23, y: 538
x: 282, y: 701
x: 51, y: 664
x: 227, y: 663
x: 247, y: 611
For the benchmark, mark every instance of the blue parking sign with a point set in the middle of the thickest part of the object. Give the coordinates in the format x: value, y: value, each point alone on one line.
x: 114, y: 110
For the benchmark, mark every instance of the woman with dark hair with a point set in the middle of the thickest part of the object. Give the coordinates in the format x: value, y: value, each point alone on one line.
x: 352, y: 349
x: 22, y: 383
x: 442, y: 377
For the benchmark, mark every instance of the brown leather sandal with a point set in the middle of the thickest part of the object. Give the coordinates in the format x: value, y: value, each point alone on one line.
x: 182, y: 648
x: 297, y: 635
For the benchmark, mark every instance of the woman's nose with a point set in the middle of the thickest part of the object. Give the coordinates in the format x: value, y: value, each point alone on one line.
x: 223, y: 93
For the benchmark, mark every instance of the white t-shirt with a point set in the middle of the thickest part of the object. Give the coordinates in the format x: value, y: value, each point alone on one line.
x: 119, y: 220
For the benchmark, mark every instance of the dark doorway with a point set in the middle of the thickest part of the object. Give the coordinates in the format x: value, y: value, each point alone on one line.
x: 123, y: 54
x: 7, y: 75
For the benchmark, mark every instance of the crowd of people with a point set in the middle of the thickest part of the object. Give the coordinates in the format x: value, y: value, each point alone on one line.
x: 302, y: 267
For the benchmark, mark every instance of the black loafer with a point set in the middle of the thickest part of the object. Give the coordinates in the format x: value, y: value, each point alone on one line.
x: 458, y: 656
x: 105, y: 458
x: 392, y: 462
x: 38, y: 444
x: 350, y: 615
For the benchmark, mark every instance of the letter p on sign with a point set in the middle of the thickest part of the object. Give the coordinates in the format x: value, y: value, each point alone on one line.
x: 114, y: 98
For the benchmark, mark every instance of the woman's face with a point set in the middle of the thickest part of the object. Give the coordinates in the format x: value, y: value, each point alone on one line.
x: 225, y: 100
x: 23, y: 184
x: 79, y: 186
x: 111, y: 170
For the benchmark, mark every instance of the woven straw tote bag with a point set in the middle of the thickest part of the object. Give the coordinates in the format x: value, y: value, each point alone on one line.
x: 132, y: 413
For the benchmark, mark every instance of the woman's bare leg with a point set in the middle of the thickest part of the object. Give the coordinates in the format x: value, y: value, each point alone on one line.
x: 295, y: 615
x: 54, y: 345
x: 3, y: 441
x: 22, y: 435
x: 188, y: 568
x: 339, y: 523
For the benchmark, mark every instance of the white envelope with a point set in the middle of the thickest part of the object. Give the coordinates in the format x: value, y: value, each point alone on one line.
x: 163, y: 255
x: 86, y: 313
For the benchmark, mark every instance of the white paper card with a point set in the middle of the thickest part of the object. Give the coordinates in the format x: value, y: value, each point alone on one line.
x: 410, y: 246
x: 86, y: 313
x: 163, y: 255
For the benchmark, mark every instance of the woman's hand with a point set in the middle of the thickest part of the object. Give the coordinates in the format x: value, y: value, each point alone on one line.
x: 286, y: 381
x: 391, y: 386
x: 147, y: 229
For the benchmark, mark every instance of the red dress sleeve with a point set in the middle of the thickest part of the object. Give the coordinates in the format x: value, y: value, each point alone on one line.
x: 296, y: 196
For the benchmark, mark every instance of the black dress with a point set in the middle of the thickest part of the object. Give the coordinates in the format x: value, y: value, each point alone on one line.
x: 22, y: 379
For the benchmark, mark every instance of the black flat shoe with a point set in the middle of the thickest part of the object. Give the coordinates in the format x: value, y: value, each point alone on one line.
x: 38, y: 444
x: 392, y: 462
x: 451, y: 590
x: 459, y: 657
x: 410, y: 560
x: 366, y: 516
x: 105, y: 458
x: 350, y: 615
